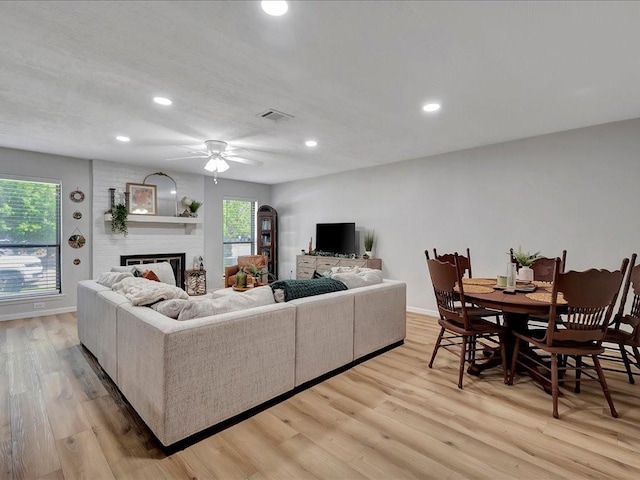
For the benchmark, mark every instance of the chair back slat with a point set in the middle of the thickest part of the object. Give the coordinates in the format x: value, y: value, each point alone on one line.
x: 464, y: 262
x: 635, y: 307
x: 590, y: 296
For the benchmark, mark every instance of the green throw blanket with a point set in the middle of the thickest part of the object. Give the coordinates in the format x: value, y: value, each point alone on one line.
x: 307, y: 288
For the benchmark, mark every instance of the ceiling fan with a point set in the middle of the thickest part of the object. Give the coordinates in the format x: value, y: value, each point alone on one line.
x: 218, y: 152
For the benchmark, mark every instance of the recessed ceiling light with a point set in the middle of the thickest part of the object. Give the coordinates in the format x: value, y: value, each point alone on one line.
x: 311, y: 143
x: 431, y: 107
x: 162, y: 101
x: 122, y: 138
x: 275, y: 8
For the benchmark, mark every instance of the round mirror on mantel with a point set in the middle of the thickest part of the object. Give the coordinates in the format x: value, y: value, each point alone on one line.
x: 167, y: 193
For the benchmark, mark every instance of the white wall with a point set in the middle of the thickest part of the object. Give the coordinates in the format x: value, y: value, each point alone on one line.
x: 73, y: 173
x: 575, y: 190
x: 214, y: 194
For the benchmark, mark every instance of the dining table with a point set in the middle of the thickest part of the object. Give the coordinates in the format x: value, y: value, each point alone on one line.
x: 516, y: 307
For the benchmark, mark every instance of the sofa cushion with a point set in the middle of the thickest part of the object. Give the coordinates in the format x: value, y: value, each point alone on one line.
x: 107, y: 279
x: 306, y: 288
x: 125, y: 268
x: 255, y: 297
x: 170, y: 308
x: 362, y: 278
x: 163, y: 270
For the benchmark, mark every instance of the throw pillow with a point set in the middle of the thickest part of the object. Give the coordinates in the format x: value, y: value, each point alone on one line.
x: 125, y: 268
x: 149, y: 275
x: 354, y: 269
x: 162, y: 270
x: 170, y: 308
x: 109, y: 278
x: 363, y: 278
x: 255, y: 297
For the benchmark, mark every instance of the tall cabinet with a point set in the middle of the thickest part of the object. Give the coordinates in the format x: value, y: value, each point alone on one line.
x: 268, y: 237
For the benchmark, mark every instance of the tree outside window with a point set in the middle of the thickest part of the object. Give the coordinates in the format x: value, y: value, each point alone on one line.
x: 239, y: 229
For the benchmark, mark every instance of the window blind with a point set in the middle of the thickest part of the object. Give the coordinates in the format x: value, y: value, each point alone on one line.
x: 29, y: 238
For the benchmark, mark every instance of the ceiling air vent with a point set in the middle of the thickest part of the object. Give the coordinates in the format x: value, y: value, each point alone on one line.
x: 275, y: 115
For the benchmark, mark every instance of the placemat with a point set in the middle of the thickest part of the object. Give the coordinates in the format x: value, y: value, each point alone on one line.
x: 478, y: 281
x: 546, y: 297
x: 540, y: 284
x: 474, y: 288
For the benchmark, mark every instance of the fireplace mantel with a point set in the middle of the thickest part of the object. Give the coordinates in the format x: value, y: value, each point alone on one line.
x: 188, y: 222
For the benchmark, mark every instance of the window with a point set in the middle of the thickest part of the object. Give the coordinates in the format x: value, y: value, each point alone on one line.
x: 239, y: 229
x: 29, y: 238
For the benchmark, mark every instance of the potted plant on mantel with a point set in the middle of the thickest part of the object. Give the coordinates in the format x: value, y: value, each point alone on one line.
x: 524, y: 260
x: 369, y: 239
x: 119, y: 217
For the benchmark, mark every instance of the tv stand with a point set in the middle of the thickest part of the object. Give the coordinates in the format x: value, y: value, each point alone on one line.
x: 307, y: 264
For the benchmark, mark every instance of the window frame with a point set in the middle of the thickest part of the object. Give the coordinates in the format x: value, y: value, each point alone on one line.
x: 254, y: 226
x: 57, y: 291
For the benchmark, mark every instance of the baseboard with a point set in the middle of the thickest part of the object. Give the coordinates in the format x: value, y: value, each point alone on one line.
x: 423, y: 311
x: 38, y: 313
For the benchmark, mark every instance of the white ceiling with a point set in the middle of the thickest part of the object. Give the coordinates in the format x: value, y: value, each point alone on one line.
x: 354, y: 75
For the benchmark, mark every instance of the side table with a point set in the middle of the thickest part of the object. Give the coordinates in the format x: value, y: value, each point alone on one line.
x: 195, y: 282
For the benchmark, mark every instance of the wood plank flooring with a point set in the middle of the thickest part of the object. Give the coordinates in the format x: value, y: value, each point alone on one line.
x: 388, y: 418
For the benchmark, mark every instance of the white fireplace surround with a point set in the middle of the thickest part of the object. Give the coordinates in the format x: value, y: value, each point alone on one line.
x: 143, y: 237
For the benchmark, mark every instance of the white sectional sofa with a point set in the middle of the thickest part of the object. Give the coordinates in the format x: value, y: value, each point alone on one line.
x: 183, y: 377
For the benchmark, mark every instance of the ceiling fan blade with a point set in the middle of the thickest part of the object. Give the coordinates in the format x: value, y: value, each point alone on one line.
x: 246, y: 161
x: 187, y: 158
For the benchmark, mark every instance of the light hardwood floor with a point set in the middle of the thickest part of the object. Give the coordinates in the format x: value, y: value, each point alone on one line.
x: 388, y: 418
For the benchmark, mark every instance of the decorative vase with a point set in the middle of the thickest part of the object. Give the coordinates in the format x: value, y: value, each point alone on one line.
x: 369, y: 253
x: 525, y: 274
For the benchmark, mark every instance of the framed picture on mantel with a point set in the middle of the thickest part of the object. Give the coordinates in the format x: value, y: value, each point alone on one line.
x: 143, y: 199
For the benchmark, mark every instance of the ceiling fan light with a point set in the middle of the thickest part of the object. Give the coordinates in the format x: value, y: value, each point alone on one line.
x: 211, y: 165
x: 222, y: 165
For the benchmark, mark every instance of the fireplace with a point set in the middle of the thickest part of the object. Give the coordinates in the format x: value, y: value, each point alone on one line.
x: 177, y: 261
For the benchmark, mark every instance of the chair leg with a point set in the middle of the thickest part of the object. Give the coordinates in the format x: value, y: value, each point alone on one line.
x: 437, y: 346
x: 503, y: 354
x: 636, y: 354
x: 605, y: 388
x: 627, y: 364
x: 578, y: 373
x: 554, y: 384
x: 514, y: 360
x: 463, y: 355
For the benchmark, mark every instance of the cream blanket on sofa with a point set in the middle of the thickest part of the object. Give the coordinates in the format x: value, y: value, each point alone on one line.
x: 141, y: 291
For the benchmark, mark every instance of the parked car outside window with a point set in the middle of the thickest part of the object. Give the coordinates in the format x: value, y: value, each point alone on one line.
x: 16, y: 271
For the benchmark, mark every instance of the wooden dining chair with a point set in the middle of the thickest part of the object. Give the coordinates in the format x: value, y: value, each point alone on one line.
x: 588, y: 298
x: 622, y: 338
x: 543, y: 271
x: 543, y: 267
x: 465, y: 262
x: 457, y: 327
x: 465, y: 266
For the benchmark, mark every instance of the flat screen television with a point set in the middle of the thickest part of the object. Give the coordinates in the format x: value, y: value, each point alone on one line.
x: 336, y: 238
